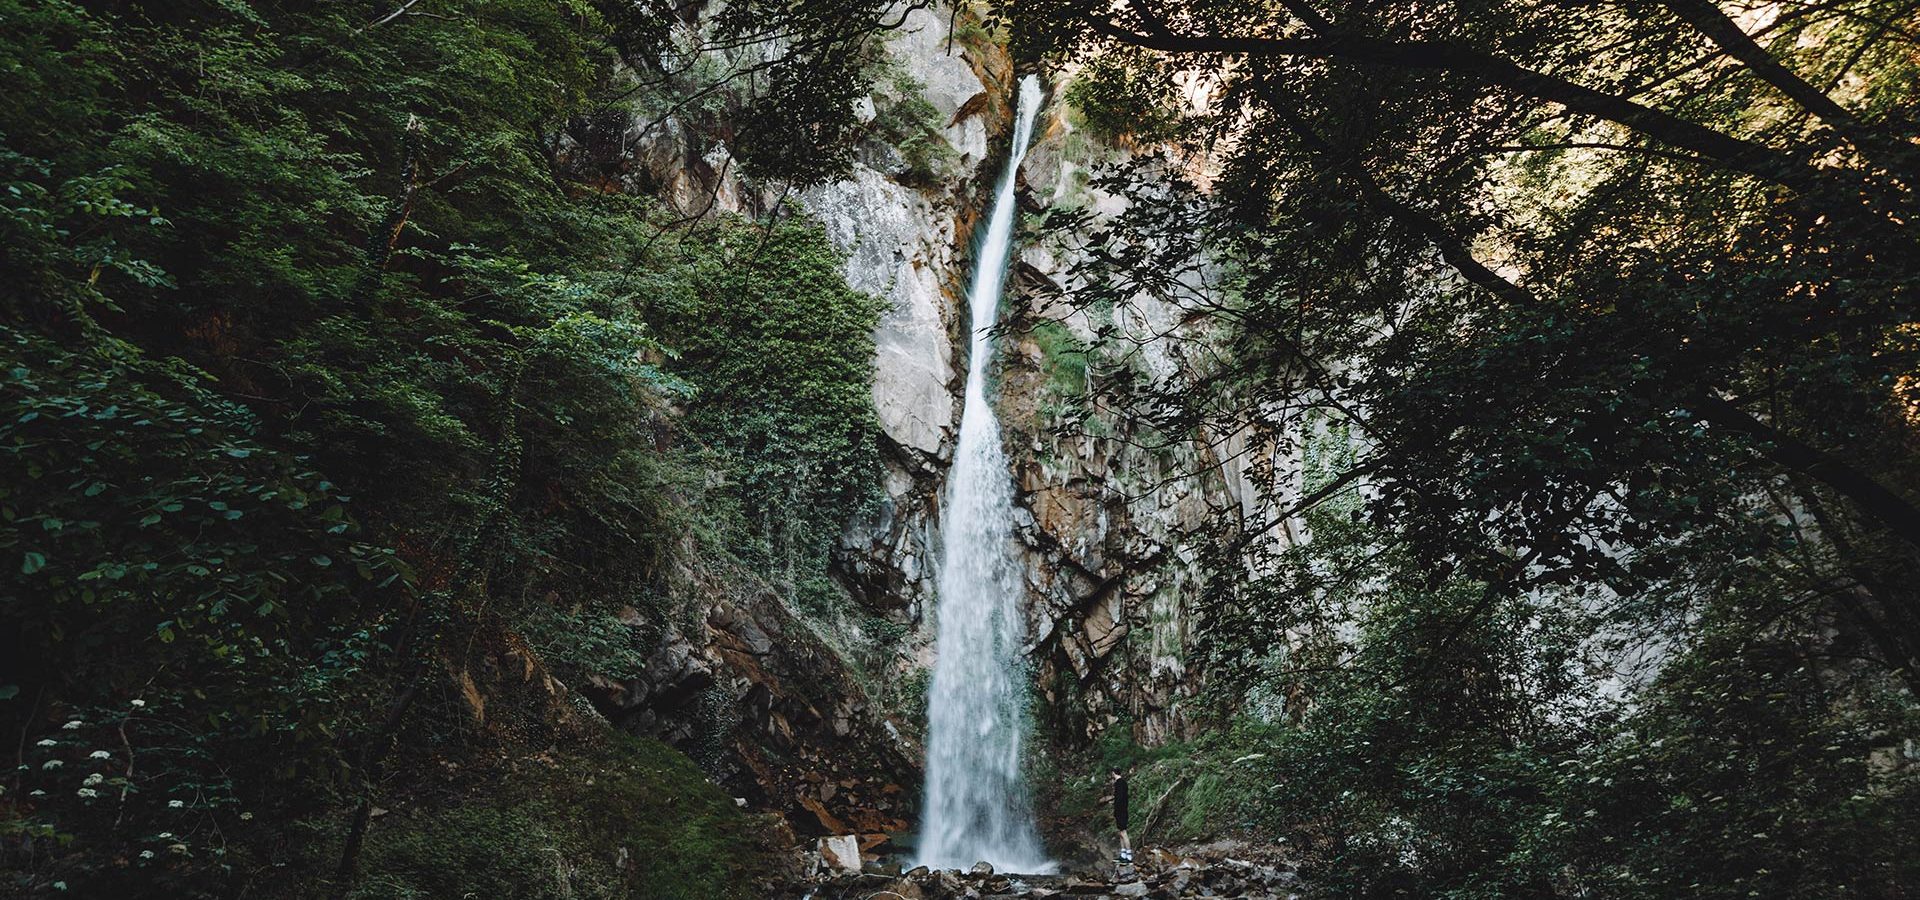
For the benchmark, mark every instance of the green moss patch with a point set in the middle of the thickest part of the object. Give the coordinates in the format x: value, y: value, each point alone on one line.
x: 627, y: 818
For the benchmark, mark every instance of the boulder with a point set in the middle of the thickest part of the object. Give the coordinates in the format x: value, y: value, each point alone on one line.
x: 840, y: 853
x: 1162, y: 857
x: 948, y: 882
x: 900, y: 889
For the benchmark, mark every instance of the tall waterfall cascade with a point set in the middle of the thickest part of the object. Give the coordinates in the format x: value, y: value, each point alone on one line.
x: 976, y: 805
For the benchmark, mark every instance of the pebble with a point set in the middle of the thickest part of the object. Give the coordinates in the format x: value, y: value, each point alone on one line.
x: 1157, y: 874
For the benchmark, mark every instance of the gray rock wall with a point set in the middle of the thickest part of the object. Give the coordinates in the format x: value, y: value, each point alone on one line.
x: 1116, y: 593
x: 1113, y: 590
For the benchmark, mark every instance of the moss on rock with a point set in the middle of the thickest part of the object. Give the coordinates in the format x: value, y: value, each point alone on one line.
x: 622, y: 817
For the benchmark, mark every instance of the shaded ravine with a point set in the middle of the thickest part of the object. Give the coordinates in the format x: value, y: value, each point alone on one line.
x: 976, y: 805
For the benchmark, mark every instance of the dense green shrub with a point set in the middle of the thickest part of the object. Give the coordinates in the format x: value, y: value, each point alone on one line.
x: 907, y: 122
x: 779, y: 354
x: 319, y: 366
x: 1179, y: 791
x: 1124, y: 97
x: 1421, y: 757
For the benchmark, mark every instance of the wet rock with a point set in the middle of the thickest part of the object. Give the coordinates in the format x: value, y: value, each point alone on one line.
x: 1254, y: 873
x: 1083, y: 888
x: 900, y: 889
x: 897, y: 243
x: 982, y: 869
x: 948, y: 881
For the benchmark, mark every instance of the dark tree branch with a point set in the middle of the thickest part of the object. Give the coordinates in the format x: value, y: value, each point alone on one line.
x: 1891, y: 510
x: 1707, y: 17
x: 1730, y: 152
x: 1882, y: 505
x: 403, y: 10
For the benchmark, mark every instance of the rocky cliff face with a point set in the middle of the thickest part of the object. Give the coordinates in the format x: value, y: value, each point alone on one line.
x: 1109, y: 509
x: 809, y: 717
x: 1112, y: 588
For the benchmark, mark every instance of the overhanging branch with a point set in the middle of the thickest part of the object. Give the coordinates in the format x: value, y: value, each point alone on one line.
x: 1733, y: 153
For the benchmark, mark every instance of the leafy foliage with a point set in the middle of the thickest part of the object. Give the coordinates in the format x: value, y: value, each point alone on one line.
x: 1616, y: 308
x: 910, y: 124
x: 1124, y: 97
x: 320, y: 366
x: 790, y: 113
x: 1480, y: 763
x: 780, y: 353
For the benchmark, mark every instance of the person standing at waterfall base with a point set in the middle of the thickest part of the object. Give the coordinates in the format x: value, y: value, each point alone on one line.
x: 1120, y: 814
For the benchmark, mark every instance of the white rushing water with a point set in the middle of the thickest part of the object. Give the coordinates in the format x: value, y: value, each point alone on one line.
x: 976, y: 805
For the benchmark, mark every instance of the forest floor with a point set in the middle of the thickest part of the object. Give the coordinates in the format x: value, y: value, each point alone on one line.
x: 1219, y: 869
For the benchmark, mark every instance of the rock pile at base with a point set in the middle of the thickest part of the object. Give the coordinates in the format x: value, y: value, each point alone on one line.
x: 1156, y: 874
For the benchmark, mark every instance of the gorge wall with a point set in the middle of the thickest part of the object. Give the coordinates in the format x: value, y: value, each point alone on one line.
x: 1103, y: 510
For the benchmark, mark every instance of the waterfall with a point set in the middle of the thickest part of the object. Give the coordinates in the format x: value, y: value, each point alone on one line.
x: 976, y: 805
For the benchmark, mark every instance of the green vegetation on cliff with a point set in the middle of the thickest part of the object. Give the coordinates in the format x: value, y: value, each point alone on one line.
x: 355, y: 413
x: 325, y: 378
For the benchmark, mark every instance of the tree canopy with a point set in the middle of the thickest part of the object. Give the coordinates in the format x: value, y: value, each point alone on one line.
x: 328, y: 367
x: 1613, y: 307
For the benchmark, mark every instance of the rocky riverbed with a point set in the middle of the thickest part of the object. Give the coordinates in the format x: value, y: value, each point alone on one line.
x: 1226, y: 869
